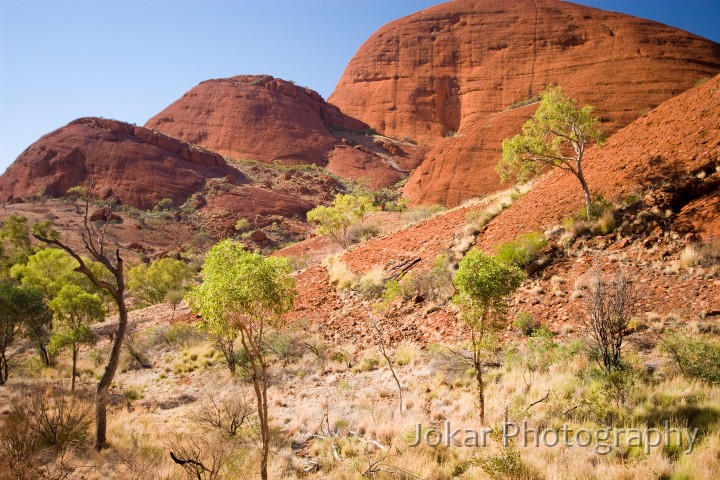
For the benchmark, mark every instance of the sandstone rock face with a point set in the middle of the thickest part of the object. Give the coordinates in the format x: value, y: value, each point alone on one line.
x: 258, y: 118
x: 441, y: 76
x: 137, y: 165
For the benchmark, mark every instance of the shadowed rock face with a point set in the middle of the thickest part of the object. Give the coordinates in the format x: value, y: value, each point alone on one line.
x: 258, y: 118
x: 136, y: 165
x: 442, y: 74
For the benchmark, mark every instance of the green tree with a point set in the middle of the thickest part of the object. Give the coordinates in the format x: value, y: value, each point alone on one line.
x: 15, y: 245
x: 48, y: 270
x: 19, y: 306
x: 557, y: 136
x: 243, y: 293
x: 484, y: 286
x: 75, y: 310
x: 153, y: 283
x: 335, y: 220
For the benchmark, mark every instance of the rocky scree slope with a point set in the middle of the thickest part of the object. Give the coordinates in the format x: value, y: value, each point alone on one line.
x: 663, y: 173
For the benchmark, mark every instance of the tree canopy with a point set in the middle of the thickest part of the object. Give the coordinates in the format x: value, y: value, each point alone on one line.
x: 75, y: 311
x: 239, y: 285
x: 19, y: 308
x: 335, y: 220
x: 153, y: 283
x: 557, y: 136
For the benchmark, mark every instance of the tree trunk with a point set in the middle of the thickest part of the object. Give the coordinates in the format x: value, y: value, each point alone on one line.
x: 3, y: 369
x: 265, y: 425
x: 586, y: 193
x: 45, y: 355
x: 103, y: 387
x: 481, y: 390
x: 74, y: 367
x: 259, y: 378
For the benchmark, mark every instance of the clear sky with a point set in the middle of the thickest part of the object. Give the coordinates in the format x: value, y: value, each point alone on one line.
x: 60, y: 60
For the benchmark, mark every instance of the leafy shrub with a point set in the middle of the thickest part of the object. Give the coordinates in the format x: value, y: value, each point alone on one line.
x: 335, y: 220
x: 76, y: 192
x: 164, y: 205
x: 242, y: 225
x: 525, y: 323
x: 362, y: 232
x: 697, y: 357
x: 367, y: 364
x: 522, y: 251
x: 151, y: 284
x: 598, y: 207
x: 505, y: 464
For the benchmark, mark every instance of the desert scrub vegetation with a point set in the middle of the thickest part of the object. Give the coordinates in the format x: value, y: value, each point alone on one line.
x: 334, y: 413
x: 704, y: 254
x: 521, y: 251
x: 421, y: 213
x: 336, y: 220
x: 434, y: 286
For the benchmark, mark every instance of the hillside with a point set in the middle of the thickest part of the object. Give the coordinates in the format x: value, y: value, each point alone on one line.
x: 268, y: 119
x: 136, y: 165
x: 665, y: 162
x: 442, y: 76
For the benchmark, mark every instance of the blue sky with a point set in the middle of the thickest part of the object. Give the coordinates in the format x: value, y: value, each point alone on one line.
x: 60, y: 60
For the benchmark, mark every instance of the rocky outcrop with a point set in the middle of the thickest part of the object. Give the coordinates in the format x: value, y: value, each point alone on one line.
x: 441, y: 76
x: 136, y: 165
x: 257, y: 118
x: 267, y: 119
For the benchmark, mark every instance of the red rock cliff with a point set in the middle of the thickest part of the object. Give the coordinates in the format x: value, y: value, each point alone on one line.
x: 256, y: 117
x: 445, y: 76
x: 136, y: 165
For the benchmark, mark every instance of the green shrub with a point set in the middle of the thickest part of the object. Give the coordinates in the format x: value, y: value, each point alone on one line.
x: 505, y: 464
x: 242, y: 225
x: 525, y: 323
x: 598, y: 206
x: 522, y: 251
x: 434, y: 285
x: 362, y: 232
x: 697, y: 357
x: 164, y: 205
x: 367, y: 364
x: 76, y: 192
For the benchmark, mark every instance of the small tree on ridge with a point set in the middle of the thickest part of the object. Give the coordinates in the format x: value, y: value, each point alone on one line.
x: 556, y: 136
